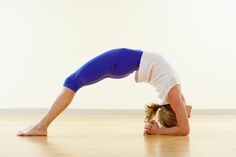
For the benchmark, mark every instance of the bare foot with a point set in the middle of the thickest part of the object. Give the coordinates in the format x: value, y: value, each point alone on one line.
x: 33, y: 130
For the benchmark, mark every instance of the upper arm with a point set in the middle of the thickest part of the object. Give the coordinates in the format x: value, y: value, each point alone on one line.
x: 178, y: 106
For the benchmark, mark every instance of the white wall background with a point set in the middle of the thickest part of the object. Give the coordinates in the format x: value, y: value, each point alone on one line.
x: 43, y: 41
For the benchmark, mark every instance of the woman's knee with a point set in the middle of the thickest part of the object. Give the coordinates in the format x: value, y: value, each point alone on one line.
x: 73, y: 83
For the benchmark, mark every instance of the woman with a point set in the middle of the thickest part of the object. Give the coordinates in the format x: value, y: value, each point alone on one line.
x: 118, y: 63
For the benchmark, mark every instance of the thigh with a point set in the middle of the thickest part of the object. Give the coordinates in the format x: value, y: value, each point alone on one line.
x: 116, y: 63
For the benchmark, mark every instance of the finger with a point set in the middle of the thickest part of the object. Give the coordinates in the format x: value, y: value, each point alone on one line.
x: 146, y: 134
x: 147, y: 127
x: 149, y: 124
x: 146, y: 130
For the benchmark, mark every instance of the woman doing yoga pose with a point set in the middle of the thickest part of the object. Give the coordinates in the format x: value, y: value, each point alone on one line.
x: 168, y: 116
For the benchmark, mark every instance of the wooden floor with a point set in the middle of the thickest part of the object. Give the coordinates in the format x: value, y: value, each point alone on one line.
x: 117, y: 136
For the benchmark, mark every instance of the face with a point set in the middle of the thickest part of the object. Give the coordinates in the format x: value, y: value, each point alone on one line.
x: 189, y: 110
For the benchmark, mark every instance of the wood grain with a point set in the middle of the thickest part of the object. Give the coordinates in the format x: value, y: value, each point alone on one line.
x: 116, y: 136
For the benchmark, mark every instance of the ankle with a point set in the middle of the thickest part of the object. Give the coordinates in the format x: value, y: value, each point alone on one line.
x: 41, y: 126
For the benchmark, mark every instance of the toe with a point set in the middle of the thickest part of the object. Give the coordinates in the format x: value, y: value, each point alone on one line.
x: 20, y: 133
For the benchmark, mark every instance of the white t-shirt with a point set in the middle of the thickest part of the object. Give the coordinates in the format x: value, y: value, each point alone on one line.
x: 157, y: 71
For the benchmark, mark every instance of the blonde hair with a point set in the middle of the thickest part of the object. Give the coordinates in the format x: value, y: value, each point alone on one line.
x: 163, y: 114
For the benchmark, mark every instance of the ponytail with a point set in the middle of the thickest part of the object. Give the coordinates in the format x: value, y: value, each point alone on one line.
x: 151, y: 111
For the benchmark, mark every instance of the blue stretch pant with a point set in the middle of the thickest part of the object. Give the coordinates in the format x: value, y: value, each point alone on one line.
x: 116, y: 63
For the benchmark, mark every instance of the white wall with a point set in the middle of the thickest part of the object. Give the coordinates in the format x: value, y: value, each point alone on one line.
x: 43, y: 41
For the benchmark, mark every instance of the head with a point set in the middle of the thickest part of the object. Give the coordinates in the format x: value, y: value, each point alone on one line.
x: 163, y: 114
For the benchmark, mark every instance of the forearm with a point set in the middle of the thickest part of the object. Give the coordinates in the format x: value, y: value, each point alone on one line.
x: 176, y: 130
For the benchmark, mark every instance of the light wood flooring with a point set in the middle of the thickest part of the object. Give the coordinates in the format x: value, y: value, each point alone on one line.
x: 116, y: 136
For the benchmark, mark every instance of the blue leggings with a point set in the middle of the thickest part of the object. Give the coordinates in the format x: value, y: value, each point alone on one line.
x: 116, y: 63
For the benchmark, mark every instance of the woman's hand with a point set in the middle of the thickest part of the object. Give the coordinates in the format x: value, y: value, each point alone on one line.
x: 151, y: 128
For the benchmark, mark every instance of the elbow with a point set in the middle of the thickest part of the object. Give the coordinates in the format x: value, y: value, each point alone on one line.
x: 184, y: 132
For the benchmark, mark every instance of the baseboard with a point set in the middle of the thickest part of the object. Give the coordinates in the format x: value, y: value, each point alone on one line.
x: 74, y: 111
x: 32, y: 111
